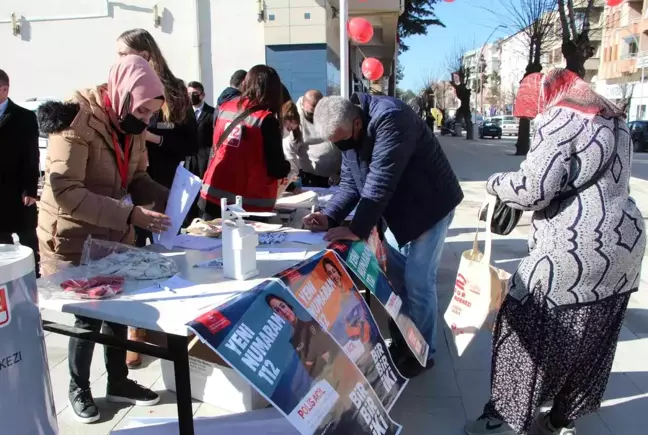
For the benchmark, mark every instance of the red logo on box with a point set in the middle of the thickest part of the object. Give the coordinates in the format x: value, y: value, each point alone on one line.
x: 214, y: 321
x: 5, y: 312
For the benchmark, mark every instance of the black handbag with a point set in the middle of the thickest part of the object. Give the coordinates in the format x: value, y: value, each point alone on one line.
x: 506, y: 218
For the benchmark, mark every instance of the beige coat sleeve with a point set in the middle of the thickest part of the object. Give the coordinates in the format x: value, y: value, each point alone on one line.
x: 68, y: 155
x: 143, y: 189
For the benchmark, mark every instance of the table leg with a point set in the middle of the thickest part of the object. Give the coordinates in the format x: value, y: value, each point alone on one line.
x: 177, y: 346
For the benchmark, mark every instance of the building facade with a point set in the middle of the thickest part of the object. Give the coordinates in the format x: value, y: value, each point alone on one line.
x: 625, y: 57
x: 52, y: 48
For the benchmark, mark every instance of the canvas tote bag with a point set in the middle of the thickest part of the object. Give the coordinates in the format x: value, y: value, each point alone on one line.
x: 479, y: 289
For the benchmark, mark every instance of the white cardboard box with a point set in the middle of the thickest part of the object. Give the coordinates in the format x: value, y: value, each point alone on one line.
x: 217, y: 385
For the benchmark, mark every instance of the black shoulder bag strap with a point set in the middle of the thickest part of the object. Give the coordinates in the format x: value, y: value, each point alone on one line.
x: 599, y: 174
x: 232, y: 125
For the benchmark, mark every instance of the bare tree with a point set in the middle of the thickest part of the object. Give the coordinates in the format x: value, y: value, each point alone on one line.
x: 576, y: 26
x: 534, y: 19
x: 459, y: 80
x: 626, y: 95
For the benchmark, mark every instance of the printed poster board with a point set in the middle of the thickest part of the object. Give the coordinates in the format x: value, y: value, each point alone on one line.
x: 270, y: 339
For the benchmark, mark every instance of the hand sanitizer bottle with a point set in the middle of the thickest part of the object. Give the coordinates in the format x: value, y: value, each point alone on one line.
x: 239, y: 245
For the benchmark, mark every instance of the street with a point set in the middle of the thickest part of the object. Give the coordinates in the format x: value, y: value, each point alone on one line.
x: 495, y: 146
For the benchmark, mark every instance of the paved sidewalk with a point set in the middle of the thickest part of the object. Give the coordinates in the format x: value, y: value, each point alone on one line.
x: 438, y: 402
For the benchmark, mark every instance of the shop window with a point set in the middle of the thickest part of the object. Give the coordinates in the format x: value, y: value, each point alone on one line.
x: 271, y: 17
x: 307, y: 15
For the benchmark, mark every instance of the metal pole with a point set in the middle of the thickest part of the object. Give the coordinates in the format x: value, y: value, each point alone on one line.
x: 344, y: 49
x: 643, y: 112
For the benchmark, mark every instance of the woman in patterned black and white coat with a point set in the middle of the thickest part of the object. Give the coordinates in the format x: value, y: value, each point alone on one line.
x: 556, y: 333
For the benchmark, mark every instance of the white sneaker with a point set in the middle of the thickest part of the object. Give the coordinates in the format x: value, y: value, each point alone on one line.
x: 542, y: 426
x: 488, y: 426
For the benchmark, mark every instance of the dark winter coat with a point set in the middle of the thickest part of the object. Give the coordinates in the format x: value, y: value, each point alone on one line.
x: 399, y: 172
x: 228, y: 94
x: 179, y: 141
x: 197, y: 163
x: 19, y: 171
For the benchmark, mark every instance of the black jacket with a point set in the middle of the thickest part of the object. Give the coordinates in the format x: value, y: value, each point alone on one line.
x: 197, y: 163
x: 19, y: 171
x: 179, y: 141
x: 228, y: 94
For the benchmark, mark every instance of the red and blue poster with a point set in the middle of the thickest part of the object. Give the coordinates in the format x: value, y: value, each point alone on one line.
x: 324, y: 287
x: 270, y: 339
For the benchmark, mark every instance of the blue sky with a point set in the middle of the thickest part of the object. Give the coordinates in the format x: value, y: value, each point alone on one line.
x: 467, y: 24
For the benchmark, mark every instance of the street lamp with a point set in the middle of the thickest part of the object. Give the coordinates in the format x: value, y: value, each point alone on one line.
x: 480, y: 72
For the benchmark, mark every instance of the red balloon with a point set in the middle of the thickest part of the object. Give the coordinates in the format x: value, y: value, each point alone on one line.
x: 360, y: 30
x: 372, y: 68
x: 449, y: 1
x: 614, y: 2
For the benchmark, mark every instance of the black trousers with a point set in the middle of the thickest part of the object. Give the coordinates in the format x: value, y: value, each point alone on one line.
x: 27, y: 238
x: 80, y: 354
x: 142, y: 236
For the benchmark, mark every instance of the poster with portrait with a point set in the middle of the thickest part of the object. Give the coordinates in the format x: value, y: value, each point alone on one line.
x: 270, y: 339
x: 324, y: 287
x: 361, y: 261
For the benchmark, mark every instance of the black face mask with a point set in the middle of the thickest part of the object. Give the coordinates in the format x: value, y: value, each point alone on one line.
x: 132, y: 125
x: 195, y: 99
x: 308, y: 116
x: 347, y: 144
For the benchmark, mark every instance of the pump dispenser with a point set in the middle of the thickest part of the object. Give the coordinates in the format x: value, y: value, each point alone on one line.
x: 239, y: 242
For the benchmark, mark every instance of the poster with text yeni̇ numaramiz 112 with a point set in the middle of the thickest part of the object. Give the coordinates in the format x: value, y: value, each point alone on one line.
x: 271, y: 340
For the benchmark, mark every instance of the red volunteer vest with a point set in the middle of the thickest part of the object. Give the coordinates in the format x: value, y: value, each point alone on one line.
x: 239, y: 166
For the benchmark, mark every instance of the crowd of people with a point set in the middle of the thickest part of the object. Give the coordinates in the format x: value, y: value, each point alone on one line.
x: 114, y: 149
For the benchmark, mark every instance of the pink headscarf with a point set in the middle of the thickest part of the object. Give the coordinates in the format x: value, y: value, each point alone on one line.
x: 560, y: 88
x: 131, y: 83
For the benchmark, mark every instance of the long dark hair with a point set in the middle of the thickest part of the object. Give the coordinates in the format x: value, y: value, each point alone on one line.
x: 262, y: 86
x: 176, y: 100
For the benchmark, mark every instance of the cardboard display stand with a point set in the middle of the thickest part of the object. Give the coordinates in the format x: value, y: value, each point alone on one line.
x: 212, y: 380
x: 26, y: 403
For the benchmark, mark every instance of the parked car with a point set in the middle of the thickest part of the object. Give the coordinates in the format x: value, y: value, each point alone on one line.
x: 33, y: 104
x: 639, y: 135
x: 490, y: 129
x: 496, y: 119
x: 510, y: 125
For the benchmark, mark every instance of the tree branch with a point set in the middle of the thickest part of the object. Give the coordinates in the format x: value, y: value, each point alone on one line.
x: 572, y: 19
x: 564, y: 24
x: 584, y: 34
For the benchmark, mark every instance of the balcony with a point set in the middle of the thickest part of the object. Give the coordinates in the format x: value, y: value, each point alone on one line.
x: 592, y: 63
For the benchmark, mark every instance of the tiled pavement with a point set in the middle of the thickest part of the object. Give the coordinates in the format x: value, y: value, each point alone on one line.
x: 438, y: 402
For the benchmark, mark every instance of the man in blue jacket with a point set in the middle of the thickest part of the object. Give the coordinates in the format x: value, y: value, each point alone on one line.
x: 392, y: 168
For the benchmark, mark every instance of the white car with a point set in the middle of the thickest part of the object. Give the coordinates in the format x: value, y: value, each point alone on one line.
x: 510, y: 125
x: 33, y: 104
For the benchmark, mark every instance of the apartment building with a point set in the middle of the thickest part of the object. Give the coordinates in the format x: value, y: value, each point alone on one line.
x: 51, y: 48
x: 482, y: 63
x: 625, y: 56
x: 514, y: 57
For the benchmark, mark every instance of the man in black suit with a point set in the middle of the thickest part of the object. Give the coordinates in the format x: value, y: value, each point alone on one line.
x: 19, y: 171
x: 205, y: 117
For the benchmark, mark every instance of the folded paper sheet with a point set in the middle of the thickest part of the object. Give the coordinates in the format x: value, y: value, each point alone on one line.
x: 183, y: 193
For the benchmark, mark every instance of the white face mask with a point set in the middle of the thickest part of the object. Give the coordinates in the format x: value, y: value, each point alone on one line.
x: 286, y: 133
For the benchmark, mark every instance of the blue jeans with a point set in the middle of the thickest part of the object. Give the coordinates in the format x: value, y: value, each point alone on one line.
x: 412, y: 270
